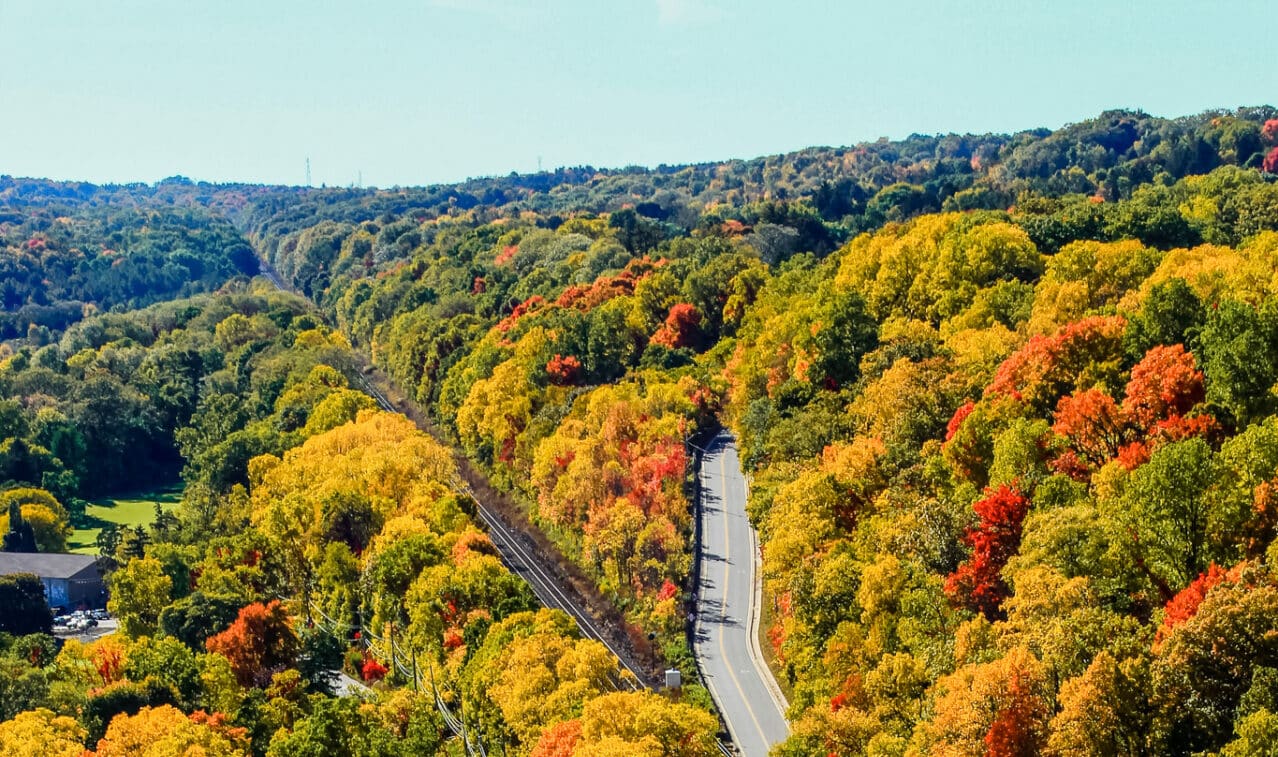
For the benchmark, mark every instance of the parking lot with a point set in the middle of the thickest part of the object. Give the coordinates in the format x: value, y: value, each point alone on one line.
x: 82, y: 627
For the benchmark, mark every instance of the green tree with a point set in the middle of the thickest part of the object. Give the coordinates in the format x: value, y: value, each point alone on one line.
x: 25, y: 608
x: 1238, y: 357
x: 1166, y: 509
x: 196, y: 617
x: 335, y: 726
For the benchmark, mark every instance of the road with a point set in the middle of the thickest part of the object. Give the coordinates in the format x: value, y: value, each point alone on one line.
x: 727, y: 640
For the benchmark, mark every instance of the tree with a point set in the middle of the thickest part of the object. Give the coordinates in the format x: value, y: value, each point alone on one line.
x: 545, y: 677
x: 1206, y: 664
x: 139, y: 593
x: 50, y: 529
x: 1238, y: 360
x: 25, y: 608
x: 258, y: 644
x: 845, y: 332
x: 1271, y: 162
x: 643, y: 723
x: 1001, y: 707
x: 1081, y: 354
x: 1185, y: 604
x: 121, y: 698
x: 197, y: 616
x: 978, y: 583
x: 167, y: 661
x: 636, y: 233
x: 563, y: 370
x: 1166, y: 510
x: 559, y: 740
x: 1093, y: 424
x: 1105, y: 712
x: 1172, y: 313
x: 1016, y: 730
x: 335, y: 726
x: 164, y: 731
x: 1164, y: 384
x: 20, y: 536
x: 1257, y: 732
x: 23, y: 686
x: 41, y: 733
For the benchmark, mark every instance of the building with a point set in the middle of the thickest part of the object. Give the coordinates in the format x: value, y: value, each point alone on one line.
x: 70, y: 581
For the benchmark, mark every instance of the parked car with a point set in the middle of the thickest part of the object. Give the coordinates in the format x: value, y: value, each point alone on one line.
x: 81, y: 624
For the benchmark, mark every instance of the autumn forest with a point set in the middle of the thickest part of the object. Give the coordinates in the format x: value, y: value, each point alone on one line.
x: 1007, y: 405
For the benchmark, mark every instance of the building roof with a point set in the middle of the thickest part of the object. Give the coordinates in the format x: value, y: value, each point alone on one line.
x: 49, y: 564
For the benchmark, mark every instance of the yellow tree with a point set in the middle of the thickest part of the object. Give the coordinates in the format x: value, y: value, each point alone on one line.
x: 645, y: 723
x: 46, y: 515
x: 988, y: 709
x: 1105, y: 711
x: 139, y: 591
x: 41, y: 733
x: 546, y: 677
x: 166, y: 732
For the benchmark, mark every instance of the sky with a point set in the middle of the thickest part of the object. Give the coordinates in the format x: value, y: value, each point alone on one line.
x: 408, y: 92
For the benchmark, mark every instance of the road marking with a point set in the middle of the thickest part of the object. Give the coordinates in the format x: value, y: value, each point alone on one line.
x: 727, y: 563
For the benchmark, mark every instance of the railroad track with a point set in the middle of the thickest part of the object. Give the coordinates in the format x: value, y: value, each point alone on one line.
x: 519, y: 553
x: 517, y: 550
x: 521, y: 558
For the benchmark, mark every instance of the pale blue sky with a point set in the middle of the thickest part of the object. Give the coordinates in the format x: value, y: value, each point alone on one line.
x: 420, y: 91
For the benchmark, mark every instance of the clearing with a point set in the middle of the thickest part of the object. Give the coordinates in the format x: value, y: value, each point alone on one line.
x: 132, y: 509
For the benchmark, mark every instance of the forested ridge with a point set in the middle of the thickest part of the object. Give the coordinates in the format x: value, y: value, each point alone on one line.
x: 1008, y: 404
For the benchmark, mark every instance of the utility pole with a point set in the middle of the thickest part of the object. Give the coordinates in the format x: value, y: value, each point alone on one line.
x: 308, y: 171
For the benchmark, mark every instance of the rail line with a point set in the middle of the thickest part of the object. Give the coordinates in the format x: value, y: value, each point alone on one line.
x: 517, y: 556
x: 520, y: 558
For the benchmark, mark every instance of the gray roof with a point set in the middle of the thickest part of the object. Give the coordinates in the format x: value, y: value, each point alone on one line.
x: 48, y: 564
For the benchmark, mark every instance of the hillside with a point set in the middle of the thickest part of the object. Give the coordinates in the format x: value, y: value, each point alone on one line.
x: 1009, y: 406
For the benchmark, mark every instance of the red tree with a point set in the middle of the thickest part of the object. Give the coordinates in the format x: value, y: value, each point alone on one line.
x: 372, y: 670
x: 1270, y: 131
x: 1271, y: 161
x: 1165, y: 383
x: 529, y: 305
x: 506, y: 255
x: 978, y: 583
x: 681, y: 329
x: 1015, y: 730
x: 1185, y: 605
x: 1093, y: 424
x: 1048, y: 367
x: 258, y: 644
x: 956, y: 420
x: 563, y: 371
x: 558, y: 740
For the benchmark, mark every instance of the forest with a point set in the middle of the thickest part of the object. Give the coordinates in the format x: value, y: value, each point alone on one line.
x: 1009, y: 406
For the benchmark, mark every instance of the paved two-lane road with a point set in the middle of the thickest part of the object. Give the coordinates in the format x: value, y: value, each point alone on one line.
x: 726, y: 629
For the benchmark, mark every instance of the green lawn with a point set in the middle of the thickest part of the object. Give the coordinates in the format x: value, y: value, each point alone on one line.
x: 133, y: 509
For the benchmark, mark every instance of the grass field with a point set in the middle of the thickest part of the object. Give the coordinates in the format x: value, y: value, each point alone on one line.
x: 132, y: 509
